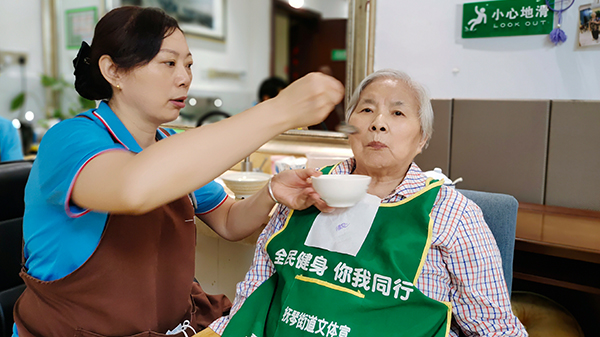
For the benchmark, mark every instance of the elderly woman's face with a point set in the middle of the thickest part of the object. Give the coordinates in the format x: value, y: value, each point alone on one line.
x: 389, y: 129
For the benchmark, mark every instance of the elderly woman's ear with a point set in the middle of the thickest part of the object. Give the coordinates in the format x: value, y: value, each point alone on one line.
x: 423, y: 144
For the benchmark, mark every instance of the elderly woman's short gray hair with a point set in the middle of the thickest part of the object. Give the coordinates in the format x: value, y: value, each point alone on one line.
x: 425, y: 109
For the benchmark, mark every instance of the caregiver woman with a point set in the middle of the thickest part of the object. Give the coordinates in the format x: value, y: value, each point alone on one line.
x: 108, y: 227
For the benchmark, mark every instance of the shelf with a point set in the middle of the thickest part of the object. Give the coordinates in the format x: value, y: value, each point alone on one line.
x: 559, y: 231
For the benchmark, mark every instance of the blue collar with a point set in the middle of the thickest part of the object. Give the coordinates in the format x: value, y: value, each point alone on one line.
x: 104, y: 116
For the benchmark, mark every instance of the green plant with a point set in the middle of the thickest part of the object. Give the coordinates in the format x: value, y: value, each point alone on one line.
x: 67, y: 102
x: 17, y: 102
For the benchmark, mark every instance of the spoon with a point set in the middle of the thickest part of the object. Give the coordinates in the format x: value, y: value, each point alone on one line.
x: 346, y: 128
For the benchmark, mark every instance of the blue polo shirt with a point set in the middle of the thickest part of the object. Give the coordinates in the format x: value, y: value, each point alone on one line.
x: 60, y: 236
x: 10, y: 142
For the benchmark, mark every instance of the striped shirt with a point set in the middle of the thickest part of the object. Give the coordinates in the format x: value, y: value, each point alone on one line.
x: 463, y: 265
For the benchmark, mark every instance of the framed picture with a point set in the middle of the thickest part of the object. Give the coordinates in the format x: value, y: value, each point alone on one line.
x: 79, y: 26
x: 195, y: 17
x: 589, y: 25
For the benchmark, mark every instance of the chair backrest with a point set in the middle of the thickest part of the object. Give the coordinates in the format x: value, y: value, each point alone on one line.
x: 11, y: 284
x: 11, y: 241
x: 500, y: 214
x: 8, y: 298
x: 13, y: 178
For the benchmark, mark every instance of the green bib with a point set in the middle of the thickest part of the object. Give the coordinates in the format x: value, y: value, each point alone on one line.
x: 320, y: 292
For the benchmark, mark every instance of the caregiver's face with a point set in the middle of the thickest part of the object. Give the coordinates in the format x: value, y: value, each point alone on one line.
x: 389, y: 130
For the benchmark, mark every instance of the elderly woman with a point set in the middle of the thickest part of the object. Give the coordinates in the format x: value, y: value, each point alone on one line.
x: 416, y: 258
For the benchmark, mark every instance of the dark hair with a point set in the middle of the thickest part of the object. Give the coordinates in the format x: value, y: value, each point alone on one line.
x: 212, y: 116
x: 271, y: 87
x: 131, y: 36
x: 27, y: 136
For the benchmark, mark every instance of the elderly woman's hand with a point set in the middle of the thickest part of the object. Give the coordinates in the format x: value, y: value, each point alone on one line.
x: 294, y: 189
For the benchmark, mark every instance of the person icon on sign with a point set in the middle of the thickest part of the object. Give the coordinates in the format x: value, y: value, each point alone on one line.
x: 481, y: 17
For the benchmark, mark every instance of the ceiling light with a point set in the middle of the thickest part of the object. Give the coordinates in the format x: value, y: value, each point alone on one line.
x: 296, y: 3
x: 29, y: 115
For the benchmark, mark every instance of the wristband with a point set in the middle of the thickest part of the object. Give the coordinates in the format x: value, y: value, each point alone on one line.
x: 271, y: 191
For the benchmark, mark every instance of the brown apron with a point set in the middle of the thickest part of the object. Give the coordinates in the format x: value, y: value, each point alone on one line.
x: 138, y: 282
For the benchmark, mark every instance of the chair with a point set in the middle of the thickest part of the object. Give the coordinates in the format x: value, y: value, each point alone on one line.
x: 13, y: 177
x: 11, y: 285
x: 500, y: 214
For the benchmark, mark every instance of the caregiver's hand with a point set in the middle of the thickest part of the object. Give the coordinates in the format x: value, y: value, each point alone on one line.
x: 294, y: 189
x: 308, y: 100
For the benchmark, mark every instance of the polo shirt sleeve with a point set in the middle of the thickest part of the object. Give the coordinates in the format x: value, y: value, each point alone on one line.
x: 64, y: 150
x: 209, y: 197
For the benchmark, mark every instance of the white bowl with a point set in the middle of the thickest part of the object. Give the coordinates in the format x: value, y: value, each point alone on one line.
x: 341, y: 190
x: 245, y: 184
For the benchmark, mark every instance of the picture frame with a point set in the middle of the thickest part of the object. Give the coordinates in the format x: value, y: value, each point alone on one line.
x: 589, y: 25
x: 204, y: 18
x: 79, y: 26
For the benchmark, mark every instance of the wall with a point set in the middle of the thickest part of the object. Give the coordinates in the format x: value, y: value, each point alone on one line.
x: 329, y: 9
x: 424, y: 39
x: 245, y: 50
x: 20, y: 31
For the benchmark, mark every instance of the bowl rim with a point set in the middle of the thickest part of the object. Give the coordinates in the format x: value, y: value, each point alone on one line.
x: 338, y: 176
x: 231, y: 175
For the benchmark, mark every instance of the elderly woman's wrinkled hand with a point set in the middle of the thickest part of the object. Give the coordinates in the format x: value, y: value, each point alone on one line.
x: 293, y: 188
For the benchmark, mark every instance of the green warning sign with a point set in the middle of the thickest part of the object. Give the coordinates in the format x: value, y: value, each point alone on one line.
x: 506, y: 18
x: 338, y: 54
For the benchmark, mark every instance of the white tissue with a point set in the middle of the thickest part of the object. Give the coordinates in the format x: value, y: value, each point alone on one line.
x: 345, y: 229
